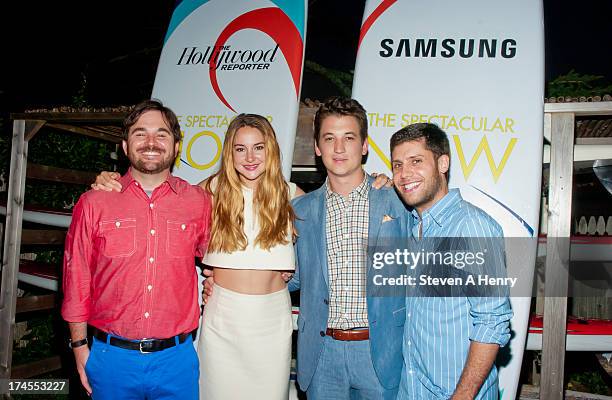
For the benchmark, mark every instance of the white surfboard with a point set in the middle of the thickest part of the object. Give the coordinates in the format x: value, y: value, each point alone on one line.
x: 221, y: 58
x: 476, y: 69
x: 225, y: 57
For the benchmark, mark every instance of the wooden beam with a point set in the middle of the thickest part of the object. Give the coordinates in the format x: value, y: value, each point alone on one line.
x: 32, y: 127
x: 558, y: 255
x: 303, y: 150
x: 547, y: 121
x: 42, y: 236
x: 593, y: 108
x: 73, y: 116
x: 597, y: 141
x: 36, y: 303
x: 36, y: 368
x: 583, y: 152
x: 12, y: 244
x: 55, y: 174
x: 85, y: 131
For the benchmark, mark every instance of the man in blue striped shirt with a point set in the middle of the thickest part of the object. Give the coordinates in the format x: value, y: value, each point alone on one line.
x: 450, y: 343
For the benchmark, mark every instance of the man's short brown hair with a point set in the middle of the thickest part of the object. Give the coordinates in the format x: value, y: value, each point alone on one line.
x: 152, y: 105
x: 341, y: 106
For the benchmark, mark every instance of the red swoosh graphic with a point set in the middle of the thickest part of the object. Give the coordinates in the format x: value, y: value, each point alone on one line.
x: 382, y: 7
x: 275, y: 23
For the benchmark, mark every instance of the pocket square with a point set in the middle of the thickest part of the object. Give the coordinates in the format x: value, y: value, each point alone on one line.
x: 387, y: 218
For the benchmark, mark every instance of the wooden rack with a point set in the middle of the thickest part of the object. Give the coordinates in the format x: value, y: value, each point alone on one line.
x: 106, y: 126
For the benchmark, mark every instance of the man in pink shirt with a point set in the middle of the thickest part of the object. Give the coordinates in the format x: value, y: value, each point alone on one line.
x: 129, y: 270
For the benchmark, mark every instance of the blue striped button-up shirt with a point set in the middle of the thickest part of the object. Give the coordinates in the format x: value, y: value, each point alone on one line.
x: 439, y: 330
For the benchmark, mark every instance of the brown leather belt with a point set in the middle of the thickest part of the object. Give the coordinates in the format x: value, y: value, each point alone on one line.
x: 348, y: 335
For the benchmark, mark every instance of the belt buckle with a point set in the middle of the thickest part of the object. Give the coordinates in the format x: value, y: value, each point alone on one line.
x: 145, y: 341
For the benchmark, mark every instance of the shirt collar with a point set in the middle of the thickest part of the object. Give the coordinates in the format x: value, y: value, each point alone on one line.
x: 361, y: 190
x: 128, y: 179
x: 441, y: 208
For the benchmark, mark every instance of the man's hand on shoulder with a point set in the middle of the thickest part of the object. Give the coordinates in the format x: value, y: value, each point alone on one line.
x: 107, y: 181
x: 381, y: 180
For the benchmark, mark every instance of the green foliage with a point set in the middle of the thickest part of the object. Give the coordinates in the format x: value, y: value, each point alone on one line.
x: 592, y: 381
x: 66, y: 150
x: 58, y: 196
x: 41, y: 340
x: 342, y: 80
x: 574, y: 84
x: 80, y: 98
x: 70, y: 151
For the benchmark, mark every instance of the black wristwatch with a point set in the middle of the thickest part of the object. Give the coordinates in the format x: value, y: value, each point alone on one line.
x: 77, y: 343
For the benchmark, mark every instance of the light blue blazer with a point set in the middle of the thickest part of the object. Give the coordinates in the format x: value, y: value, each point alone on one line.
x: 386, y: 315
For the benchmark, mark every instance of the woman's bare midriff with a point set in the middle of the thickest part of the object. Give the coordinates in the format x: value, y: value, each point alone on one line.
x: 249, y: 281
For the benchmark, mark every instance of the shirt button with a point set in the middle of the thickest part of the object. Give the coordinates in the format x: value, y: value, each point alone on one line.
x: 150, y: 205
x: 152, y: 232
x: 146, y: 315
x: 150, y: 287
x: 183, y: 226
x: 410, y: 372
x: 117, y: 224
x: 408, y: 315
x: 151, y: 260
x: 322, y: 333
x: 409, y: 343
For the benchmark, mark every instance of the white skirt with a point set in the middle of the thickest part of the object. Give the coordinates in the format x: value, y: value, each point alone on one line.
x: 245, y: 346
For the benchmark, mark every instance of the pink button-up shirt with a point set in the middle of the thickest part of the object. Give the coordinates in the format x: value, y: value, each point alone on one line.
x: 129, y: 259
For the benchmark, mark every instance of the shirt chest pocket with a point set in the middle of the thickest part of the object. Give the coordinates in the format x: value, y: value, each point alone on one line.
x: 180, y: 241
x: 118, y: 237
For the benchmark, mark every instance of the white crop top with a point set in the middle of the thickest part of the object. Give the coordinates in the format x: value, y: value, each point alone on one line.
x: 279, y: 257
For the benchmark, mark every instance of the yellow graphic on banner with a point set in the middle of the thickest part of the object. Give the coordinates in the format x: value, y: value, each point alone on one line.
x: 216, y: 157
x: 177, y: 159
x: 496, y: 170
x: 379, y: 152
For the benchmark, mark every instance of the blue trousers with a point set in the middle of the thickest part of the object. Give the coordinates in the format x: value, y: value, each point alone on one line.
x: 345, y: 371
x: 116, y: 373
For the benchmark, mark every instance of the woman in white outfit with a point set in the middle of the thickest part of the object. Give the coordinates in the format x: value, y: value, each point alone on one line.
x: 245, y: 339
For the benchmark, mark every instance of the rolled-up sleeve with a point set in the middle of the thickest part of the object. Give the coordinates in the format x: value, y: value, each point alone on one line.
x: 491, y: 319
x: 491, y: 313
x: 78, y: 258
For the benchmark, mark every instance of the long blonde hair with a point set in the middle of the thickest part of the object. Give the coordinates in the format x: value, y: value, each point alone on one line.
x: 271, y: 202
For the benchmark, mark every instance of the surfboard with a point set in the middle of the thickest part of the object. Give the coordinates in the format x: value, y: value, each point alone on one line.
x: 582, y: 334
x: 476, y: 70
x: 39, y: 215
x: 221, y: 58
x: 39, y: 274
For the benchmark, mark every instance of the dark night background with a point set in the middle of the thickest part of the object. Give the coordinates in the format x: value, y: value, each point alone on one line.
x: 49, y: 46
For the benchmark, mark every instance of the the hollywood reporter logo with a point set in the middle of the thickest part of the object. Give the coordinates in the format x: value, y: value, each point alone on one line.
x: 224, y: 58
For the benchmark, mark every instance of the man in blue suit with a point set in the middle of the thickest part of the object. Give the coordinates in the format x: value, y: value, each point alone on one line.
x: 349, y: 341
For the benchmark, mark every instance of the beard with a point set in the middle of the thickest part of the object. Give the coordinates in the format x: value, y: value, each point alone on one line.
x: 429, y: 191
x: 428, y: 195
x: 150, y: 167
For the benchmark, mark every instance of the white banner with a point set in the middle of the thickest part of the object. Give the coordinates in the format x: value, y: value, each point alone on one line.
x: 476, y: 69
x: 221, y: 58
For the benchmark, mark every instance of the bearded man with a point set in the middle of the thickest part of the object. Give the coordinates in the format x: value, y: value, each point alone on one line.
x: 451, y: 340
x: 129, y: 271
